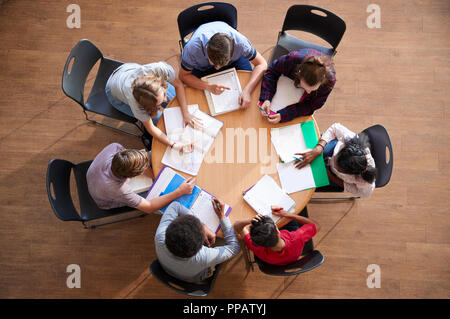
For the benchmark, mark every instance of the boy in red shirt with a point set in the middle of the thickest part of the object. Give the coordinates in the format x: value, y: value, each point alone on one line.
x: 272, y: 245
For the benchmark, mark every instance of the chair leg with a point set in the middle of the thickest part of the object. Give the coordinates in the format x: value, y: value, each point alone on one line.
x: 349, y: 197
x: 114, y: 128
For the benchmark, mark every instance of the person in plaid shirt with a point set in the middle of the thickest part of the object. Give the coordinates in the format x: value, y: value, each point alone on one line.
x: 309, y: 69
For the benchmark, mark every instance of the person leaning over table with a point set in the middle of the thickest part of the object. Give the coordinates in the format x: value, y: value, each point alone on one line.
x: 140, y: 90
x: 184, y: 245
x: 350, y: 164
x: 277, y: 247
x: 109, y: 173
x: 309, y: 69
x: 215, y: 47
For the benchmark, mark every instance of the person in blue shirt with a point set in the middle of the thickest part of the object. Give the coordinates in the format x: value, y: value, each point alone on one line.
x: 215, y: 47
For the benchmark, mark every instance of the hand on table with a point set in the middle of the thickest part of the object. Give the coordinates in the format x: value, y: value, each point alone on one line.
x: 191, y: 120
x: 183, y: 148
x: 244, y: 100
x: 307, y: 158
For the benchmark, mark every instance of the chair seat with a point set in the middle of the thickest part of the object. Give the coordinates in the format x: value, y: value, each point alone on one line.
x: 191, y: 289
x: 306, y: 263
x: 98, y: 103
x: 287, y: 43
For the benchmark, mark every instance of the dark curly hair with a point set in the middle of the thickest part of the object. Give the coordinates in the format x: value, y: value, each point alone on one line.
x: 352, y: 158
x: 184, y: 236
x: 264, y: 233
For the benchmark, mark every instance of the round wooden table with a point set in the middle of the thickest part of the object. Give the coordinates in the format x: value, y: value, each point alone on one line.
x: 227, y: 177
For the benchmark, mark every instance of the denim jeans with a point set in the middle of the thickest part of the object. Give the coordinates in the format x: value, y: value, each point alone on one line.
x: 125, y: 108
x: 241, y: 64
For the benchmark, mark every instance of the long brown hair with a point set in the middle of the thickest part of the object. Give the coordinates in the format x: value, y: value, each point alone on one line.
x: 145, y: 91
x: 313, y: 70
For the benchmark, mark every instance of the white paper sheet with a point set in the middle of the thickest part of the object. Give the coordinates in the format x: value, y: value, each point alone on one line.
x: 203, y: 210
x: 286, y: 94
x: 294, y: 180
x: 140, y: 183
x: 287, y: 141
x: 266, y: 193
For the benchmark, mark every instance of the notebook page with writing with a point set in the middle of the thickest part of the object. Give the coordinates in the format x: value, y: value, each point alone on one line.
x: 227, y: 101
x: 266, y: 193
x: 286, y: 94
x: 203, y: 210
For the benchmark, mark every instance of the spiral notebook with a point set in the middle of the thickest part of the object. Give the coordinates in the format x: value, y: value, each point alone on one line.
x: 266, y: 193
x: 199, y: 201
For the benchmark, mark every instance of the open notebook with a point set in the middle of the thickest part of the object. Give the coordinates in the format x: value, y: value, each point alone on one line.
x: 286, y: 94
x: 228, y: 100
x: 199, y: 201
x: 266, y: 193
x: 202, y: 137
x: 298, y: 138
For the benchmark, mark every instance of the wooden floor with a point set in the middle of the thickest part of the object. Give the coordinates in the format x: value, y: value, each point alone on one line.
x: 397, y: 76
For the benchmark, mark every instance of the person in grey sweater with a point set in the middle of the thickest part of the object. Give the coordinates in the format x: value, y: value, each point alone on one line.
x: 184, y: 245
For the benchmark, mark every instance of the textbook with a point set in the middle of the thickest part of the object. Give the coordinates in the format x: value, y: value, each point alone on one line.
x: 298, y: 138
x: 202, y: 137
x: 227, y: 101
x: 199, y: 201
x: 286, y: 94
x: 266, y: 193
x: 140, y: 183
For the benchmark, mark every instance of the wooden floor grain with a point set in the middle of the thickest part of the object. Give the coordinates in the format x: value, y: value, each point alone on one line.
x: 397, y: 76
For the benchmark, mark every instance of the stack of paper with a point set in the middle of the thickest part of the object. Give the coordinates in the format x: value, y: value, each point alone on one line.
x: 199, y: 201
x: 140, y: 183
x: 227, y: 101
x: 298, y: 138
x: 266, y: 193
x: 202, y: 138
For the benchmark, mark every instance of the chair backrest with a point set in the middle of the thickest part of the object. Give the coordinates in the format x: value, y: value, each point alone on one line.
x: 379, y: 143
x: 191, y: 289
x: 308, y: 262
x: 317, y: 21
x: 58, y: 190
x: 191, y: 18
x: 85, y: 54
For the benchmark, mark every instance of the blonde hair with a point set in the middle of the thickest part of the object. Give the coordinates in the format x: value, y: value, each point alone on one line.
x: 145, y: 91
x: 130, y: 163
x: 313, y: 70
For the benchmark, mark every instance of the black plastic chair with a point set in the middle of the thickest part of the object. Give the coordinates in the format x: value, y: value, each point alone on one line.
x: 191, y: 289
x: 86, y: 55
x: 310, y: 259
x: 315, y: 20
x: 191, y: 18
x: 58, y: 181
x: 379, y: 144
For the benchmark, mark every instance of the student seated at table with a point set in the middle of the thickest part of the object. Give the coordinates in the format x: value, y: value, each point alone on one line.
x: 108, y: 175
x: 140, y: 90
x: 215, y: 47
x: 276, y: 247
x: 311, y: 71
x: 184, y: 245
x: 350, y: 164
